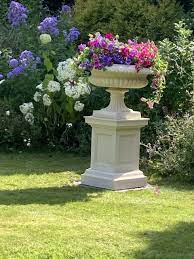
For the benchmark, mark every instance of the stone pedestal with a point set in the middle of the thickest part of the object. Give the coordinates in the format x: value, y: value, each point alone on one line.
x: 115, y: 141
x: 115, y: 154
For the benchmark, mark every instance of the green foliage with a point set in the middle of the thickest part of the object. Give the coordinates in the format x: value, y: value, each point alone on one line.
x: 173, y: 151
x: 179, y: 79
x: 128, y: 18
x: 21, y: 88
x: 15, y: 132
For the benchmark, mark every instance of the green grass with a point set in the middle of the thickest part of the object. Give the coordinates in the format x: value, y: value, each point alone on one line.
x: 43, y: 214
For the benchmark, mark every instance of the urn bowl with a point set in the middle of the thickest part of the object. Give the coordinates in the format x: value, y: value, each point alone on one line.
x: 120, y: 76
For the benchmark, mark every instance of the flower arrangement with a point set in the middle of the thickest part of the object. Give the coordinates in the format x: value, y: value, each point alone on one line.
x: 102, y: 51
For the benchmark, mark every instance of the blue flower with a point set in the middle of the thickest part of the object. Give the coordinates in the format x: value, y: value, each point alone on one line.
x: 105, y: 60
x: 72, y: 35
x: 1, y: 76
x: 16, y: 71
x: 66, y: 9
x: 13, y: 63
x: 26, y: 60
x: 17, y: 14
x: 49, y: 25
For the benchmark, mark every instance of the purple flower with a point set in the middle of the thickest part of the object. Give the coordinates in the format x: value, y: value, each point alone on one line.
x: 106, y: 60
x: 118, y: 59
x: 81, y: 47
x: 110, y: 47
x: 49, y: 25
x: 26, y: 54
x: 10, y: 75
x: 16, y: 71
x: 13, y: 63
x: 1, y: 76
x: 17, y: 14
x: 128, y: 61
x: 132, y: 54
x: 26, y: 60
x: 72, y: 35
x: 66, y: 9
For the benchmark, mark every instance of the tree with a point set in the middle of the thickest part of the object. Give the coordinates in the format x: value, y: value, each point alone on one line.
x: 128, y: 18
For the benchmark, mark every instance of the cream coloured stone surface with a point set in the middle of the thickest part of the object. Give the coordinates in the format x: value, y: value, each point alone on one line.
x: 116, y: 133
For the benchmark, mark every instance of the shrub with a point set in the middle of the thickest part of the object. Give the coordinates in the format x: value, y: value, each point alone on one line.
x: 129, y: 18
x: 173, y: 152
x: 179, y: 79
x: 25, y: 62
x: 15, y: 132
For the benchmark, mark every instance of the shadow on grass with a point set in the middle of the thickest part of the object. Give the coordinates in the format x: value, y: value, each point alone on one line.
x: 49, y: 195
x: 41, y: 163
x: 174, y: 243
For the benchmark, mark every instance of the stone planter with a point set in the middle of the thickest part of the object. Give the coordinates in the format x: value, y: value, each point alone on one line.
x: 116, y: 132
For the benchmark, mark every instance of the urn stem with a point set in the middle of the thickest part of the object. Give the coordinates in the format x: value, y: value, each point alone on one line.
x: 117, y: 103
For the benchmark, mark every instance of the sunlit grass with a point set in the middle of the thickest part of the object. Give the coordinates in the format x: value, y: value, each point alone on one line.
x: 43, y: 214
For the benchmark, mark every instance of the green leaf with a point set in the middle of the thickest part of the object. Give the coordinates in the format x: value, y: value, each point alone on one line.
x: 69, y: 105
x: 47, y: 62
x: 47, y: 79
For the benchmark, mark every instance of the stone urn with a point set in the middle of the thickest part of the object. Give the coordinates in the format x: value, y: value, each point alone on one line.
x: 116, y: 132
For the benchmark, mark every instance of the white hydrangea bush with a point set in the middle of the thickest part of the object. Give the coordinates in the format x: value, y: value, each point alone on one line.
x: 64, y: 88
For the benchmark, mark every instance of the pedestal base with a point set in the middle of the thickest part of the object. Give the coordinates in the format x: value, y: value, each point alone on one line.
x: 115, y: 154
x: 102, y: 179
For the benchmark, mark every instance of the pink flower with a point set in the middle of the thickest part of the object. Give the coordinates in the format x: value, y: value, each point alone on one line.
x: 150, y: 104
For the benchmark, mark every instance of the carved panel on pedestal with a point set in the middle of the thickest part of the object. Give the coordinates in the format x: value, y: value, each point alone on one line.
x: 103, y: 148
x: 128, y: 152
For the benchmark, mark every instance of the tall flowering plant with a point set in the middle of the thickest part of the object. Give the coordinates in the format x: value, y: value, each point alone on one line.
x: 104, y: 51
x: 37, y: 75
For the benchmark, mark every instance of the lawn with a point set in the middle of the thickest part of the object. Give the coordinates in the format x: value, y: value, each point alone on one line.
x: 43, y: 214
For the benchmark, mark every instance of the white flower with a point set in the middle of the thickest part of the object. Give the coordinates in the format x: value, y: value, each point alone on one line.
x: 7, y: 113
x: 83, y: 87
x: 1, y: 81
x: 78, y: 106
x: 29, y: 117
x: 66, y: 70
x: 71, y: 90
x: 53, y: 86
x: 69, y: 125
x: 46, y: 100
x: 39, y: 87
x: 37, y: 96
x: 45, y: 38
x: 26, y: 108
